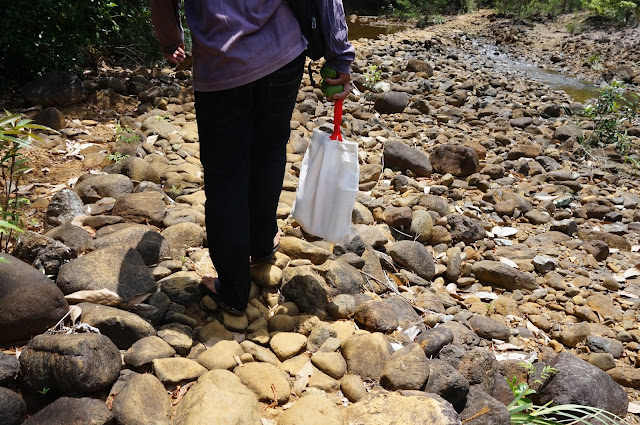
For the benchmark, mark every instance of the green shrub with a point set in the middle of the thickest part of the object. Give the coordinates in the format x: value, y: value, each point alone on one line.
x: 619, y: 11
x: 36, y: 37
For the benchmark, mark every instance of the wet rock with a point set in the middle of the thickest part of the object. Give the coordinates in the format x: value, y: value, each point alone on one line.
x: 461, y: 161
x: 398, y: 155
x: 76, y: 363
x: 30, y: 303
x: 413, y: 256
x: 121, y: 271
x: 406, y: 369
x: 143, y: 401
x: 73, y: 411
x: 122, y: 327
x: 13, y: 409
x: 578, y: 382
x: 366, y: 354
x: 503, y: 276
x: 218, y: 397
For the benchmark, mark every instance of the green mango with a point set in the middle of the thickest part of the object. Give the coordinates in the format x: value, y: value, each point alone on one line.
x: 328, y: 72
x: 330, y: 90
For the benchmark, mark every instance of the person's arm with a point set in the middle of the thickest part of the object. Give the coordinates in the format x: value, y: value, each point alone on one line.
x: 166, y: 23
x: 338, y: 52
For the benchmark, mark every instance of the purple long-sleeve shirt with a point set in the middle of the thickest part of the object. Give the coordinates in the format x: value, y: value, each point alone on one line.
x: 236, y: 42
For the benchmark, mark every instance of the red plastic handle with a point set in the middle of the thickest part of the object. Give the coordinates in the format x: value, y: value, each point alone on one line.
x: 337, y: 121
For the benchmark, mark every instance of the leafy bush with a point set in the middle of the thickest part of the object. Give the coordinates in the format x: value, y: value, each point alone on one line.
x: 39, y: 36
x: 619, y: 11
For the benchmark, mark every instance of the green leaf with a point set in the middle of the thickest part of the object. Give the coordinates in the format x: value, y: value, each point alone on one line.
x: 6, y: 225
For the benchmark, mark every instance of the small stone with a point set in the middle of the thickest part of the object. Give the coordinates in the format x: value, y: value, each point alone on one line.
x: 287, y: 344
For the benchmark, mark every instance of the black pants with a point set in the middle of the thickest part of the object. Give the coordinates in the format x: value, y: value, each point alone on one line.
x: 243, y: 135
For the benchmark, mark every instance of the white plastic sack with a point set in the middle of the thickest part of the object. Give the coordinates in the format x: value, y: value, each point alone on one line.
x: 327, y: 188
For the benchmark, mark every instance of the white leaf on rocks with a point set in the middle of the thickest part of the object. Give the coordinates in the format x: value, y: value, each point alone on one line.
x: 502, y: 242
x: 395, y: 346
x: 635, y: 248
x: 506, y: 347
x: 631, y: 272
x: 427, y: 189
x: 483, y: 295
x: 412, y: 332
x: 152, y: 139
x: 508, y: 262
x: 301, y: 383
x: 265, y: 421
x: 511, y: 356
x: 634, y: 408
x: 503, y: 232
x: 74, y: 313
x: 72, y: 181
x: 628, y: 294
x: 545, y: 197
x: 97, y: 296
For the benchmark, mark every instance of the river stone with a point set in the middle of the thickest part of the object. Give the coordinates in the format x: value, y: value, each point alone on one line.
x: 613, y: 241
x: 181, y: 287
x: 405, y: 313
x: 259, y: 353
x: 221, y: 356
x: 73, y: 411
x: 462, y: 335
x: 603, y: 305
x: 465, y: 229
x: 503, y: 276
x: 601, y: 344
x: 72, y: 236
x: 64, y: 207
x: 178, y: 336
x: 93, y: 187
x: 408, y: 407
x: 578, y: 382
x: 137, y: 169
x: 421, y: 225
x: 400, y: 156
x: 398, y: 216
x: 461, y: 161
x: 76, y: 363
x: 376, y: 316
x: 13, y: 409
x: 413, y: 256
x: 179, y: 215
x: 145, y: 350
x: 342, y: 277
x: 55, y: 88
x: 174, y: 370
x: 445, y: 381
x: 567, y: 131
x: 218, y: 397
x: 142, y: 401
x: 391, y: 102
x: 482, y: 409
x: 406, y: 369
x: 489, y: 328
x: 342, y: 306
x: 142, y: 207
x: 50, y: 117
x: 280, y: 323
x: 122, y: 327
x: 432, y: 340
x: 261, y: 378
x: 287, y: 344
x: 305, y: 288
x: 9, y: 368
x: 30, y: 303
x: 367, y: 354
x: 298, y: 248
x: 266, y: 275
x: 603, y: 361
x: 184, y: 235
x: 312, y: 410
x: 333, y: 364
x: 625, y: 375
x: 361, y: 214
x: 122, y: 271
x: 151, y: 245
x: 478, y: 366
x: 42, y: 252
x: 418, y: 65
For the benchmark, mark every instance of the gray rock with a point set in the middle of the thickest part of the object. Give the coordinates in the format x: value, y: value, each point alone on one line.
x: 121, y: 271
x: 376, y: 316
x: 157, y: 125
x: 43, y: 253
x: 50, y: 117
x: 503, y: 276
x: 184, y: 235
x: 342, y: 306
x: 445, y: 381
x: 76, y: 363
x: 478, y: 366
x: 567, y: 131
x: 342, y: 278
x: 405, y: 313
x: 64, y: 207
x: 151, y: 245
x: 30, y: 303
x: 421, y: 225
x: 461, y: 161
x: 72, y: 236
x: 122, y: 327
x: 391, y: 102
x: 432, y: 340
x: 544, y: 263
x: 465, y: 229
x: 366, y: 354
x: 413, y: 256
x: 73, y: 411
x: 602, y: 344
x: 55, y: 88
x: 218, y: 397
x: 489, y: 328
x: 578, y: 382
x: 142, y: 401
x: 9, y: 368
x: 406, y: 369
x: 482, y: 409
x: 145, y: 350
x: 13, y: 409
x: 398, y: 155
x: 306, y: 288
x: 93, y: 187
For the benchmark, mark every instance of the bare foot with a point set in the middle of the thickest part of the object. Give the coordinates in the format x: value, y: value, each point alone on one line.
x: 208, y: 280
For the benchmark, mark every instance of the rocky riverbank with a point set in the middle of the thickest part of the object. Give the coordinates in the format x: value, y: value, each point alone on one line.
x: 481, y: 239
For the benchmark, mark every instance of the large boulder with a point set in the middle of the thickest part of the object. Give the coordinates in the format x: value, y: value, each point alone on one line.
x: 367, y: 354
x: 578, y: 382
x: 55, y: 88
x: 142, y: 207
x: 30, y: 303
x: 73, y: 411
x: 76, y: 363
x: 93, y: 187
x: 458, y: 160
x: 398, y: 155
x: 122, y: 271
x: 13, y: 409
x: 151, y: 245
x: 64, y: 207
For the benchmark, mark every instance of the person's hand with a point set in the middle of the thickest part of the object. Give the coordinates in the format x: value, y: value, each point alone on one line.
x: 343, y: 79
x: 176, y: 57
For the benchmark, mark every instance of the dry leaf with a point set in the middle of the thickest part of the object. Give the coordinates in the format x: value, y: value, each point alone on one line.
x: 508, y: 262
x: 631, y: 272
x: 634, y: 408
x: 180, y: 392
x: 74, y: 313
x: 503, y: 232
x: 97, y: 296
x: 304, y: 374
